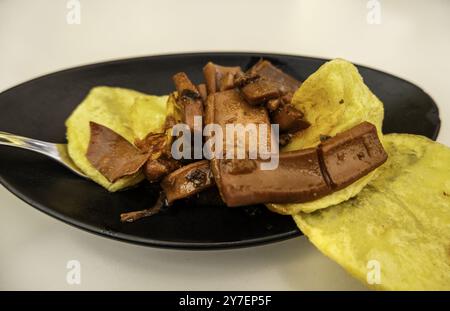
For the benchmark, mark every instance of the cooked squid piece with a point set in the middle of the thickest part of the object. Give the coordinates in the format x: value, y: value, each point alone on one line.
x: 229, y: 107
x: 219, y: 78
x: 351, y: 155
x: 298, y: 178
x: 156, y: 169
x: 180, y: 184
x: 202, y: 90
x: 160, y: 162
x: 189, y: 98
x: 260, y: 91
x: 302, y: 175
x: 113, y: 155
x: 153, y: 143
x: 155, y: 209
x: 265, y: 69
x: 289, y: 119
x: 184, y: 86
x: 265, y: 84
x: 187, y: 181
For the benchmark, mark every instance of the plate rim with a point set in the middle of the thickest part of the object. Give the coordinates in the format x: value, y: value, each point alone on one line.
x: 118, y: 236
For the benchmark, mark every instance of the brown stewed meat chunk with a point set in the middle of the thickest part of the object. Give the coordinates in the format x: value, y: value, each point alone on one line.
x: 216, y: 75
x: 260, y: 91
x: 184, y: 86
x: 268, y: 71
x: 289, y: 118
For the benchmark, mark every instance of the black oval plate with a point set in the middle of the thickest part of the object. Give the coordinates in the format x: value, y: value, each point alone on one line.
x: 39, y: 107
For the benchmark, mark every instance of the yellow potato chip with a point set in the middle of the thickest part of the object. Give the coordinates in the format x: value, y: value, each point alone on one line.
x: 129, y: 113
x: 333, y: 99
x: 395, y: 234
x: 148, y: 115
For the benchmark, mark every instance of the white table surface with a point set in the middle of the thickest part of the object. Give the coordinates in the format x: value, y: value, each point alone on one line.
x: 412, y: 42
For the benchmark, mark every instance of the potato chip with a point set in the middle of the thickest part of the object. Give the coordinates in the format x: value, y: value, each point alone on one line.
x: 129, y: 113
x: 333, y: 99
x: 395, y: 234
x: 148, y: 115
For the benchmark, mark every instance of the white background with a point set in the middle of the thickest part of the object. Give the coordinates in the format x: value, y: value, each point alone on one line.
x: 412, y: 42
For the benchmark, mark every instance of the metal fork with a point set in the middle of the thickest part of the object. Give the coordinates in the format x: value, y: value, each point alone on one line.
x: 57, y: 152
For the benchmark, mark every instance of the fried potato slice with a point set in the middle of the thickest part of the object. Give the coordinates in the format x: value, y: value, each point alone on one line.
x: 148, y: 115
x: 333, y: 99
x: 400, y: 221
x: 129, y: 113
